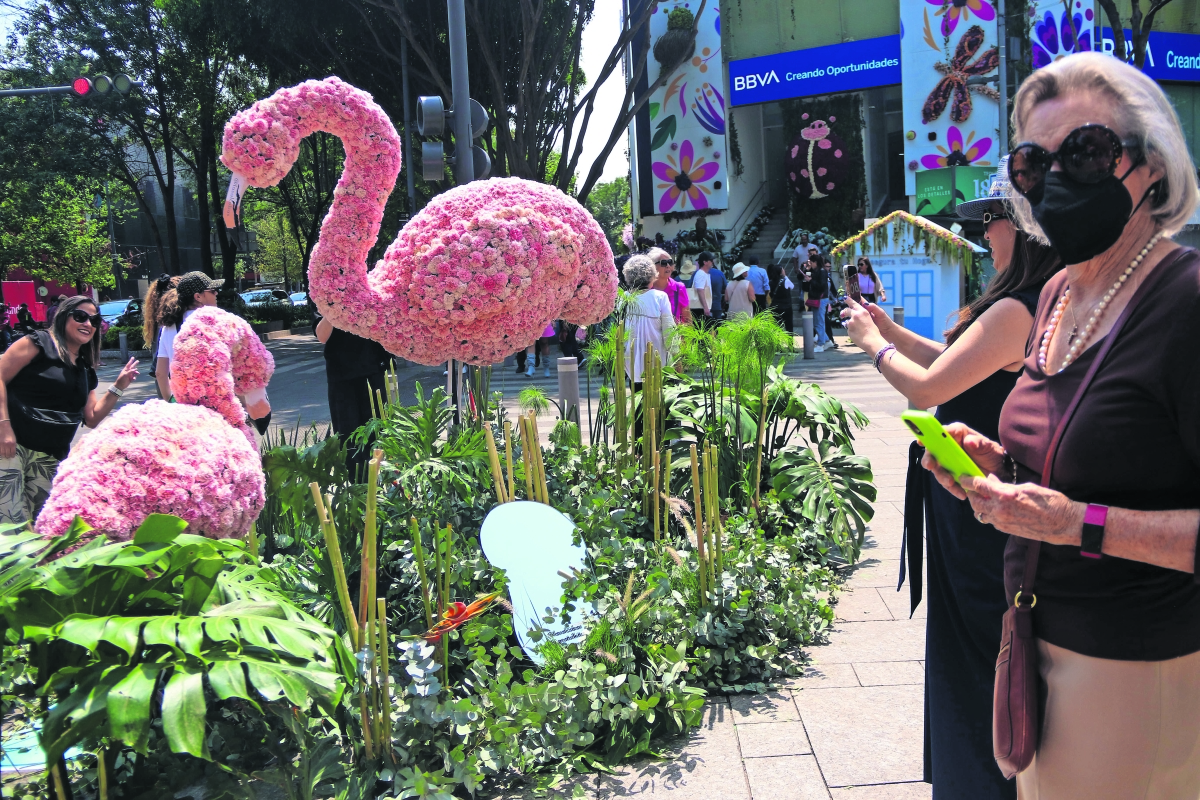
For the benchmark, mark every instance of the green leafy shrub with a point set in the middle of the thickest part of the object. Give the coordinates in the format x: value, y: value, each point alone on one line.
x: 133, y: 335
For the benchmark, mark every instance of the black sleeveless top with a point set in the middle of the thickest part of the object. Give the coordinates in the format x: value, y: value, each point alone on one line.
x: 979, y: 407
x: 49, y: 382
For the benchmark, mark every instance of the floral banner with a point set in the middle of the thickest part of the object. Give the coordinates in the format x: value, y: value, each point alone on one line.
x: 687, y: 114
x: 1054, y: 33
x: 948, y: 121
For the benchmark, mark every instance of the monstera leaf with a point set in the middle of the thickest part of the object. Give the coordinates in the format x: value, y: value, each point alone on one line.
x: 130, y: 632
x: 834, y: 489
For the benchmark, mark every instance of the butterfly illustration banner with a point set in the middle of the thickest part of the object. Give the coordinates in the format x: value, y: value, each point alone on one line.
x: 950, y: 118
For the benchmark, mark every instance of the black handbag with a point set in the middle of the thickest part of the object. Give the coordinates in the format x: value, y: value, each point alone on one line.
x: 41, y: 429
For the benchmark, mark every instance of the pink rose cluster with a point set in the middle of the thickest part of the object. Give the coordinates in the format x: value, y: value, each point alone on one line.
x: 475, y: 276
x: 218, y: 357
x: 195, y: 458
x: 158, y: 458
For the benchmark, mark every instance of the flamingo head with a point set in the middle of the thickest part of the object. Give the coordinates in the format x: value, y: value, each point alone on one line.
x: 218, y: 358
x: 260, y: 146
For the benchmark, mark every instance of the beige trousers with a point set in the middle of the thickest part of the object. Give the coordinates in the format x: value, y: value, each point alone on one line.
x: 1116, y: 730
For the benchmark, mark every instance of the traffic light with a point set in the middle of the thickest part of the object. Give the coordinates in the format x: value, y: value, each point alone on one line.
x: 434, y: 120
x: 84, y: 87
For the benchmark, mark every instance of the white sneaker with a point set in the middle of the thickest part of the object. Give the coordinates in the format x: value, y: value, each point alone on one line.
x: 818, y: 349
x: 529, y: 371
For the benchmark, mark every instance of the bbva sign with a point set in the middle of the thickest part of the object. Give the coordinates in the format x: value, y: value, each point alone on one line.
x: 743, y: 82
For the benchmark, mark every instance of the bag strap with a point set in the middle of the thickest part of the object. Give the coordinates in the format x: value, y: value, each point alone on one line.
x: 1035, y: 547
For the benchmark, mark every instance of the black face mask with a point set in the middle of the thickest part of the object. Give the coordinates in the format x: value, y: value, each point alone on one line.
x: 1082, y: 220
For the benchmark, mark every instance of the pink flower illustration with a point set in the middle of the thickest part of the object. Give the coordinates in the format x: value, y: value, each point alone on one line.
x: 684, y: 179
x: 961, y: 153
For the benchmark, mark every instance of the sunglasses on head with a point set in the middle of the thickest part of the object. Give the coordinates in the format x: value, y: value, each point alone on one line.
x: 1088, y: 154
x: 79, y: 315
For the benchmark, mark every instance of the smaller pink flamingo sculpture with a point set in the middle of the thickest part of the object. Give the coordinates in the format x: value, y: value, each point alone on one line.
x: 195, y: 458
x: 475, y: 276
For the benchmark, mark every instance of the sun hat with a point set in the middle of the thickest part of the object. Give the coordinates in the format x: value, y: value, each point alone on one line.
x: 998, y: 185
x: 740, y: 269
x: 688, y: 268
x: 195, y: 282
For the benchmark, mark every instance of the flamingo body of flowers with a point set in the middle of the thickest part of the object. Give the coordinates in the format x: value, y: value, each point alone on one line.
x: 475, y: 275
x: 196, y: 458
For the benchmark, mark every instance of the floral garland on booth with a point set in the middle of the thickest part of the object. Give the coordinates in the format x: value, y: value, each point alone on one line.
x: 475, y: 276
x: 937, y: 240
x: 195, y: 458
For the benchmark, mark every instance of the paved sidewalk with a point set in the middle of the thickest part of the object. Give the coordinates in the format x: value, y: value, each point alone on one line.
x: 851, y: 728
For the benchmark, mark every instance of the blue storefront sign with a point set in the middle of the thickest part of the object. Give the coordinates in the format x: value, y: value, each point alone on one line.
x: 818, y: 70
x: 1169, y: 56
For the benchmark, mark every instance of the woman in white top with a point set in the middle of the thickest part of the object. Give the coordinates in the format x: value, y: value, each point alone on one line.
x: 194, y: 291
x: 648, y: 317
x: 868, y: 282
x: 739, y: 292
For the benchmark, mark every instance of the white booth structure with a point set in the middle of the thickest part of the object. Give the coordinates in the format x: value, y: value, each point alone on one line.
x: 922, y: 267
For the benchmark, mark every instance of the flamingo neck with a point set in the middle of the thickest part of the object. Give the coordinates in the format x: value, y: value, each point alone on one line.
x: 338, y: 266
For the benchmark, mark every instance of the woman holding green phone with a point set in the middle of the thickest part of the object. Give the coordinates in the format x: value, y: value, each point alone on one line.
x: 1096, y: 471
x: 968, y: 379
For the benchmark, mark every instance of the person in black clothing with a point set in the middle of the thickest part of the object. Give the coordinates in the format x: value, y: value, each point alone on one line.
x: 47, y: 387
x: 354, y: 371
x: 781, y: 296
x: 25, y: 323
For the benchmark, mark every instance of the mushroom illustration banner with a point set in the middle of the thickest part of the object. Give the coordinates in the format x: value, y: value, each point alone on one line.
x: 949, y: 119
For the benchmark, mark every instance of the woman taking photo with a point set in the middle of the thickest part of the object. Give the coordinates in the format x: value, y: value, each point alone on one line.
x: 1109, y: 540
x: 47, y: 387
x: 968, y: 380
x: 781, y: 296
x: 868, y: 281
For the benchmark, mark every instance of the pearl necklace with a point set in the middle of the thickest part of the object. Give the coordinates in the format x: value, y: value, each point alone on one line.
x: 1078, y: 345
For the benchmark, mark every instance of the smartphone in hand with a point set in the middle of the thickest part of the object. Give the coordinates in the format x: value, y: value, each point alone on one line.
x: 851, y: 276
x: 946, y: 450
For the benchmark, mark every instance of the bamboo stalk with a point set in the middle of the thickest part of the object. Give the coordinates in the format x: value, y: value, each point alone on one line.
x: 385, y: 674
x: 621, y: 433
x: 60, y: 787
x: 102, y: 770
x: 494, y: 462
x: 697, y: 507
x: 372, y: 693
x: 664, y: 461
x: 371, y: 528
x: 508, y: 458
x: 419, y: 557
x: 715, y: 518
x: 657, y: 506
x: 525, y: 457
x: 447, y: 561
x: 335, y: 559
x: 365, y: 717
x: 762, y: 430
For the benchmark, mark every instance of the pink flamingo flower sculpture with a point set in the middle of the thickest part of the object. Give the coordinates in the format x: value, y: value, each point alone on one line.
x: 195, y: 458
x: 475, y: 276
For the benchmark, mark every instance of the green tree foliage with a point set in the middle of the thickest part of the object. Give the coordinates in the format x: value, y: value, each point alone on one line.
x: 609, y: 204
x: 56, y: 232
x: 279, y: 257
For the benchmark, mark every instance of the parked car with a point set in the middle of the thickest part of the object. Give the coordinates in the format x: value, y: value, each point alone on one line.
x: 122, y: 312
x: 299, y: 298
x: 261, y: 297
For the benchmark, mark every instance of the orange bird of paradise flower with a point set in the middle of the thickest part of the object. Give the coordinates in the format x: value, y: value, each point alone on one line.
x: 456, y: 615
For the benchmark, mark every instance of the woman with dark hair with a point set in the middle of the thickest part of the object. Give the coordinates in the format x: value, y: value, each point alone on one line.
x: 152, y: 307
x: 868, y: 281
x: 194, y: 290
x: 780, y: 292
x: 47, y: 387
x: 968, y: 379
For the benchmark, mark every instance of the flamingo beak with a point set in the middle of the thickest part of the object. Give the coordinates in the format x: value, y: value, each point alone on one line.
x: 257, y: 404
x: 238, y: 185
